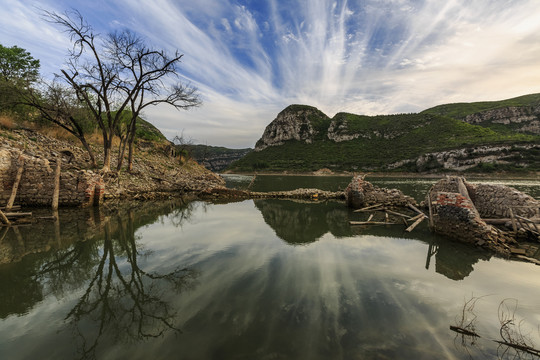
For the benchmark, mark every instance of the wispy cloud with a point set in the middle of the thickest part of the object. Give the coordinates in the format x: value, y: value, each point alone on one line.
x: 251, y: 60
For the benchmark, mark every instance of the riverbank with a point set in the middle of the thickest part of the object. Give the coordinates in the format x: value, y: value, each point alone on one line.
x: 407, y: 175
x: 157, y: 172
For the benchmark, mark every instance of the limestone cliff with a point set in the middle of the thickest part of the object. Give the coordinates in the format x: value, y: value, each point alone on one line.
x: 484, y: 136
x: 296, y: 122
x: 524, y: 119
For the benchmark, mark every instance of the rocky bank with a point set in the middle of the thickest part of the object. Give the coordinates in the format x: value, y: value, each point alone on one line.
x: 156, y: 171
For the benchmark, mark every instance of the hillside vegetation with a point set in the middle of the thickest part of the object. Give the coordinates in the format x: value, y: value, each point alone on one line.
x: 434, y: 140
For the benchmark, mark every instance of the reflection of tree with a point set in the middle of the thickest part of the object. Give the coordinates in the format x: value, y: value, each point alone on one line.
x: 514, y: 344
x: 122, y: 300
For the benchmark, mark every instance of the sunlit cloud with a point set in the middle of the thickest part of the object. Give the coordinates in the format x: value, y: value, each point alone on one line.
x: 251, y: 59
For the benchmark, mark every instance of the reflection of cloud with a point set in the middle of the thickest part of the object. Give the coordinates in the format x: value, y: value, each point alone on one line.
x: 364, y: 57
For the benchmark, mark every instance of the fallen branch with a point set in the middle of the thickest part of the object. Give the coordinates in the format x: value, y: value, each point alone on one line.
x: 524, y: 348
x: 370, y: 208
x: 417, y: 210
x: 416, y: 223
x: 463, y: 331
x: 371, y: 223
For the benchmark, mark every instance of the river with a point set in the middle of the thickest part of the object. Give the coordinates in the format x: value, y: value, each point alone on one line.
x: 255, y: 279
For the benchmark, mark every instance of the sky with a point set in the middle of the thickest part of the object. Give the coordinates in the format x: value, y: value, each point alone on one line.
x: 252, y: 58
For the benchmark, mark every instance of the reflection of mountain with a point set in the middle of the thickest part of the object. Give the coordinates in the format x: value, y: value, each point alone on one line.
x: 303, y: 222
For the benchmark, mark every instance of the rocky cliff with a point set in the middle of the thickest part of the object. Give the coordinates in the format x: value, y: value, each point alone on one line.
x: 296, y: 122
x: 522, y: 119
x: 215, y: 158
x: 488, y: 136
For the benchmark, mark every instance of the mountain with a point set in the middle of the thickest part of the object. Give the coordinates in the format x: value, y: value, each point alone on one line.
x: 216, y: 158
x: 482, y: 136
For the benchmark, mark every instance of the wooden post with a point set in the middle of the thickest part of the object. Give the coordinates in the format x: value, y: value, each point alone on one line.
x: 56, y: 192
x: 15, y: 185
x: 418, y: 219
x: 430, y: 208
x: 514, y: 226
x: 4, y: 219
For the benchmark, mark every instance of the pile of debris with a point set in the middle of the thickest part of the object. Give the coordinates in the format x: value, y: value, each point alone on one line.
x: 360, y: 194
x: 467, y: 212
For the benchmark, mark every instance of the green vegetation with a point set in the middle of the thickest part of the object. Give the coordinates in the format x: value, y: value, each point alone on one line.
x: 384, y: 139
x: 18, y: 71
x: 460, y: 110
x: 202, y: 151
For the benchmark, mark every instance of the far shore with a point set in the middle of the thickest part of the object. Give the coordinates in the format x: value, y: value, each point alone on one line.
x: 520, y: 176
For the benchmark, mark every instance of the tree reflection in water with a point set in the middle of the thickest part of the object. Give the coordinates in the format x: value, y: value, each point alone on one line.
x: 122, y: 301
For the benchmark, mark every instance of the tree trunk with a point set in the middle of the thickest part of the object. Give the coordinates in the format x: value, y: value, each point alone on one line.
x: 106, y: 158
x: 131, y: 140
x: 89, y: 151
x: 121, y: 152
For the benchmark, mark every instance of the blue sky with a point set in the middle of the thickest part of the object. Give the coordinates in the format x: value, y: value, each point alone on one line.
x: 252, y: 58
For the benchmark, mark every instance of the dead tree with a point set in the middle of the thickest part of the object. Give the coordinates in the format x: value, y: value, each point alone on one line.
x: 116, y: 73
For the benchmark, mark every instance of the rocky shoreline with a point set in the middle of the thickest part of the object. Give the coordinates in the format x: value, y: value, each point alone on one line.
x: 156, y: 174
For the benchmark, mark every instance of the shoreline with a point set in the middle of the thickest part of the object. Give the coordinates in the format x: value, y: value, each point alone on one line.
x: 508, y: 176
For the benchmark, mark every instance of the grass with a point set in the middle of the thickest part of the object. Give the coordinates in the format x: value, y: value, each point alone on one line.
x: 407, y: 136
x: 460, y: 110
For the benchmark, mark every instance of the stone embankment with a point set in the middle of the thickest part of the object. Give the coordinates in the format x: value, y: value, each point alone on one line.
x: 465, y: 211
x: 155, y: 173
x: 312, y: 194
x: 37, y: 181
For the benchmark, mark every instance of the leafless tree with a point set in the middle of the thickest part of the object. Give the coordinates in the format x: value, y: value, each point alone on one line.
x: 119, y: 72
x: 59, y: 105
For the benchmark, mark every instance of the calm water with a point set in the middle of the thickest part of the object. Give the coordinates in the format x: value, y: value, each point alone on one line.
x: 415, y: 187
x: 264, y: 279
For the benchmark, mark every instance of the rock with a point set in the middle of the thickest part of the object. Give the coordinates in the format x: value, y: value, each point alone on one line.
x: 361, y: 193
x: 296, y: 122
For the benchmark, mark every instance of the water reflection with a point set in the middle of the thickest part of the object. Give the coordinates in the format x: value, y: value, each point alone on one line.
x: 302, y: 222
x: 120, y: 301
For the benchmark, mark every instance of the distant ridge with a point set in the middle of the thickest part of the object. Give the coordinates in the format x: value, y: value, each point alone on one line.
x: 480, y: 136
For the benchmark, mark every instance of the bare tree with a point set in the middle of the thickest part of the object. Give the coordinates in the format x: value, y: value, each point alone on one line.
x: 116, y: 73
x: 143, y: 71
x: 59, y: 105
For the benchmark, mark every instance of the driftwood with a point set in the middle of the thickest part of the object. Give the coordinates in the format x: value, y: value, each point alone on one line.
x: 372, y: 223
x: 417, y: 210
x: 17, y: 214
x: 399, y: 214
x: 524, y: 348
x: 369, y: 208
x: 4, y: 219
x: 419, y: 219
x: 463, y: 331
x: 14, y: 207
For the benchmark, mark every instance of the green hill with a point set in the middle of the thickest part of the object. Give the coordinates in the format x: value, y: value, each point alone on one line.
x: 460, y: 110
x: 302, y: 139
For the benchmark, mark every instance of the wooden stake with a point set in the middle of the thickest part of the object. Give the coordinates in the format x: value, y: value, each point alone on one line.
x: 4, y: 218
x: 372, y: 207
x: 15, y: 185
x: 415, y: 224
x: 417, y: 210
x: 371, y: 223
x: 56, y: 192
x: 514, y: 225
